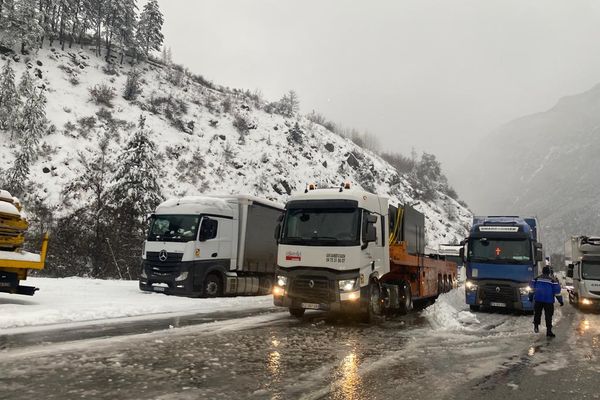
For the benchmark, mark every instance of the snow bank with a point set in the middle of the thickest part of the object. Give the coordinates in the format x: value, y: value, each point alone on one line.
x: 70, y: 300
x: 450, y: 312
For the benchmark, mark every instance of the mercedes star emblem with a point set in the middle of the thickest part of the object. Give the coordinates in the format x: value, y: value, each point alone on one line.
x: 311, y: 284
x: 162, y: 256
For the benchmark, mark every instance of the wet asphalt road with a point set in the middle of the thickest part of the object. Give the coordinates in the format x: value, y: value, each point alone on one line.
x: 269, y: 355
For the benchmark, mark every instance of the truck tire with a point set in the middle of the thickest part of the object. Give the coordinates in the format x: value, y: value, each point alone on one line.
x: 266, y: 286
x: 474, y: 307
x: 213, y: 286
x: 406, y: 306
x: 440, y: 286
x: 297, y: 312
x: 373, y: 307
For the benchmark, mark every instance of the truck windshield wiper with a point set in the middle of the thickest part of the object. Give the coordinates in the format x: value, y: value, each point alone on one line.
x: 325, y: 238
x: 481, y: 259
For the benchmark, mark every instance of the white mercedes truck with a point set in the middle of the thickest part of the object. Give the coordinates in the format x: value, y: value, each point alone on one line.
x: 210, y: 246
x: 582, y: 258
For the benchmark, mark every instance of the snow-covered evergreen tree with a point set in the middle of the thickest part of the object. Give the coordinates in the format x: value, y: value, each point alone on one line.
x: 125, y: 25
x: 89, y: 191
x: 17, y: 175
x: 136, y: 191
x: 149, y: 33
x: 9, y: 98
x: 30, y: 124
x: 28, y: 29
x: 289, y: 105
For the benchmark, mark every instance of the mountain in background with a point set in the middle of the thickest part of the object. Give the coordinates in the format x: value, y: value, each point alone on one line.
x: 545, y: 164
x: 206, y: 138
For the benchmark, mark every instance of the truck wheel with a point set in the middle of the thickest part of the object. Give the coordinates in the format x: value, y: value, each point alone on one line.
x: 297, y: 312
x: 373, y: 306
x: 474, y: 308
x: 440, y: 289
x: 213, y: 286
x: 266, y: 286
x: 407, y: 305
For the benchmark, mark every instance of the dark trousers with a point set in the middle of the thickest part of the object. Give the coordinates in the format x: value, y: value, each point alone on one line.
x: 548, y: 312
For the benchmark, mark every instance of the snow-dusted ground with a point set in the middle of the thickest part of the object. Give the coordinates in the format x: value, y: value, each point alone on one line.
x: 270, y: 355
x: 76, y: 300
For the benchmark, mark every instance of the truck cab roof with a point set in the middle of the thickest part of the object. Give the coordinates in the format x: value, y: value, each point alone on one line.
x: 365, y: 200
x: 223, y: 205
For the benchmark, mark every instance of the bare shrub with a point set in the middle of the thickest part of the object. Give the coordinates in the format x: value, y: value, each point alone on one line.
x: 102, y: 94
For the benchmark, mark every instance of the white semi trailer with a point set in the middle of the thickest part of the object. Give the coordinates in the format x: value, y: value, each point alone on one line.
x: 209, y: 246
x: 582, y: 258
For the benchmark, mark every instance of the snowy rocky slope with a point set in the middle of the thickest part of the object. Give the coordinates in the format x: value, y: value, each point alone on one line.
x: 210, y: 139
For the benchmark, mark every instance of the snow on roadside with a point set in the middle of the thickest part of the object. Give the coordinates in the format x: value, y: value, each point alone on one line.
x: 450, y: 312
x: 70, y: 300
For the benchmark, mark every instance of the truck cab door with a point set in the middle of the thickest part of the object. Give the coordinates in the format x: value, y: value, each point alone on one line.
x: 225, y: 237
x: 208, y: 238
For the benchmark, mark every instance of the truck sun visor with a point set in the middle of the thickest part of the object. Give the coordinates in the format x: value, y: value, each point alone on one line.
x: 333, y: 204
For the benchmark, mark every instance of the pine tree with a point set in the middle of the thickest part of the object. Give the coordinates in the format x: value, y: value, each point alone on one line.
x: 90, y: 191
x: 17, y: 175
x: 149, y: 33
x: 135, y: 193
x: 136, y: 190
x: 126, y: 24
x: 28, y: 30
x: 9, y: 22
x: 31, y: 122
x: 10, y: 100
x: 133, y: 87
x: 289, y: 105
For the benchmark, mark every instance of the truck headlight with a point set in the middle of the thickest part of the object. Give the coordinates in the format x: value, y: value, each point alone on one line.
x: 525, y: 290
x: 182, y: 277
x: 586, y: 302
x: 282, y: 280
x: 470, y: 285
x: 346, y: 285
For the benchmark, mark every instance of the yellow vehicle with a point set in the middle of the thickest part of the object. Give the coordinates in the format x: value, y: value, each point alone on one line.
x: 14, y: 262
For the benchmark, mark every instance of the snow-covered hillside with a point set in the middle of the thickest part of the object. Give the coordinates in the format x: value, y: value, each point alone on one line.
x: 209, y: 140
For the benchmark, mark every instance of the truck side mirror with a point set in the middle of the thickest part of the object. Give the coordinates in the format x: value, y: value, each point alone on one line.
x: 371, y: 235
x: 277, y: 232
x: 461, y: 253
x: 570, y: 271
x: 539, y: 252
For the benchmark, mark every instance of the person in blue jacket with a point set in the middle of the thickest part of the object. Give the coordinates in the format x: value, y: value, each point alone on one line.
x: 545, y: 289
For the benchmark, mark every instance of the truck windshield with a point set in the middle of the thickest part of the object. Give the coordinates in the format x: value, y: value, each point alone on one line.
x: 500, y: 251
x: 322, y: 227
x: 590, y: 270
x: 173, y: 228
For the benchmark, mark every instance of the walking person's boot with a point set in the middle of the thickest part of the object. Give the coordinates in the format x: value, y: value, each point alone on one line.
x: 549, y: 333
x: 536, y: 328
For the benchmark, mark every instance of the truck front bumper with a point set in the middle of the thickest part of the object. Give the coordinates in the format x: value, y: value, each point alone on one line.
x: 175, y: 279
x: 318, y: 290
x: 498, y: 294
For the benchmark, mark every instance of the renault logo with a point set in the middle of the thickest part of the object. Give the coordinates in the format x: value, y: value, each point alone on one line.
x: 497, y: 289
x: 311, y: 284
x: 162, y: 256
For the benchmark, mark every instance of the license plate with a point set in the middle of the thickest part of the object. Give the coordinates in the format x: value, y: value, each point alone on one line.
x: 497, y: 304
x: 158, y: 289
x: 311, y: 306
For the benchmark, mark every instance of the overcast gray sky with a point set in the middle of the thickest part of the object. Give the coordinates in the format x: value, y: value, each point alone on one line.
x: 433, y: 75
